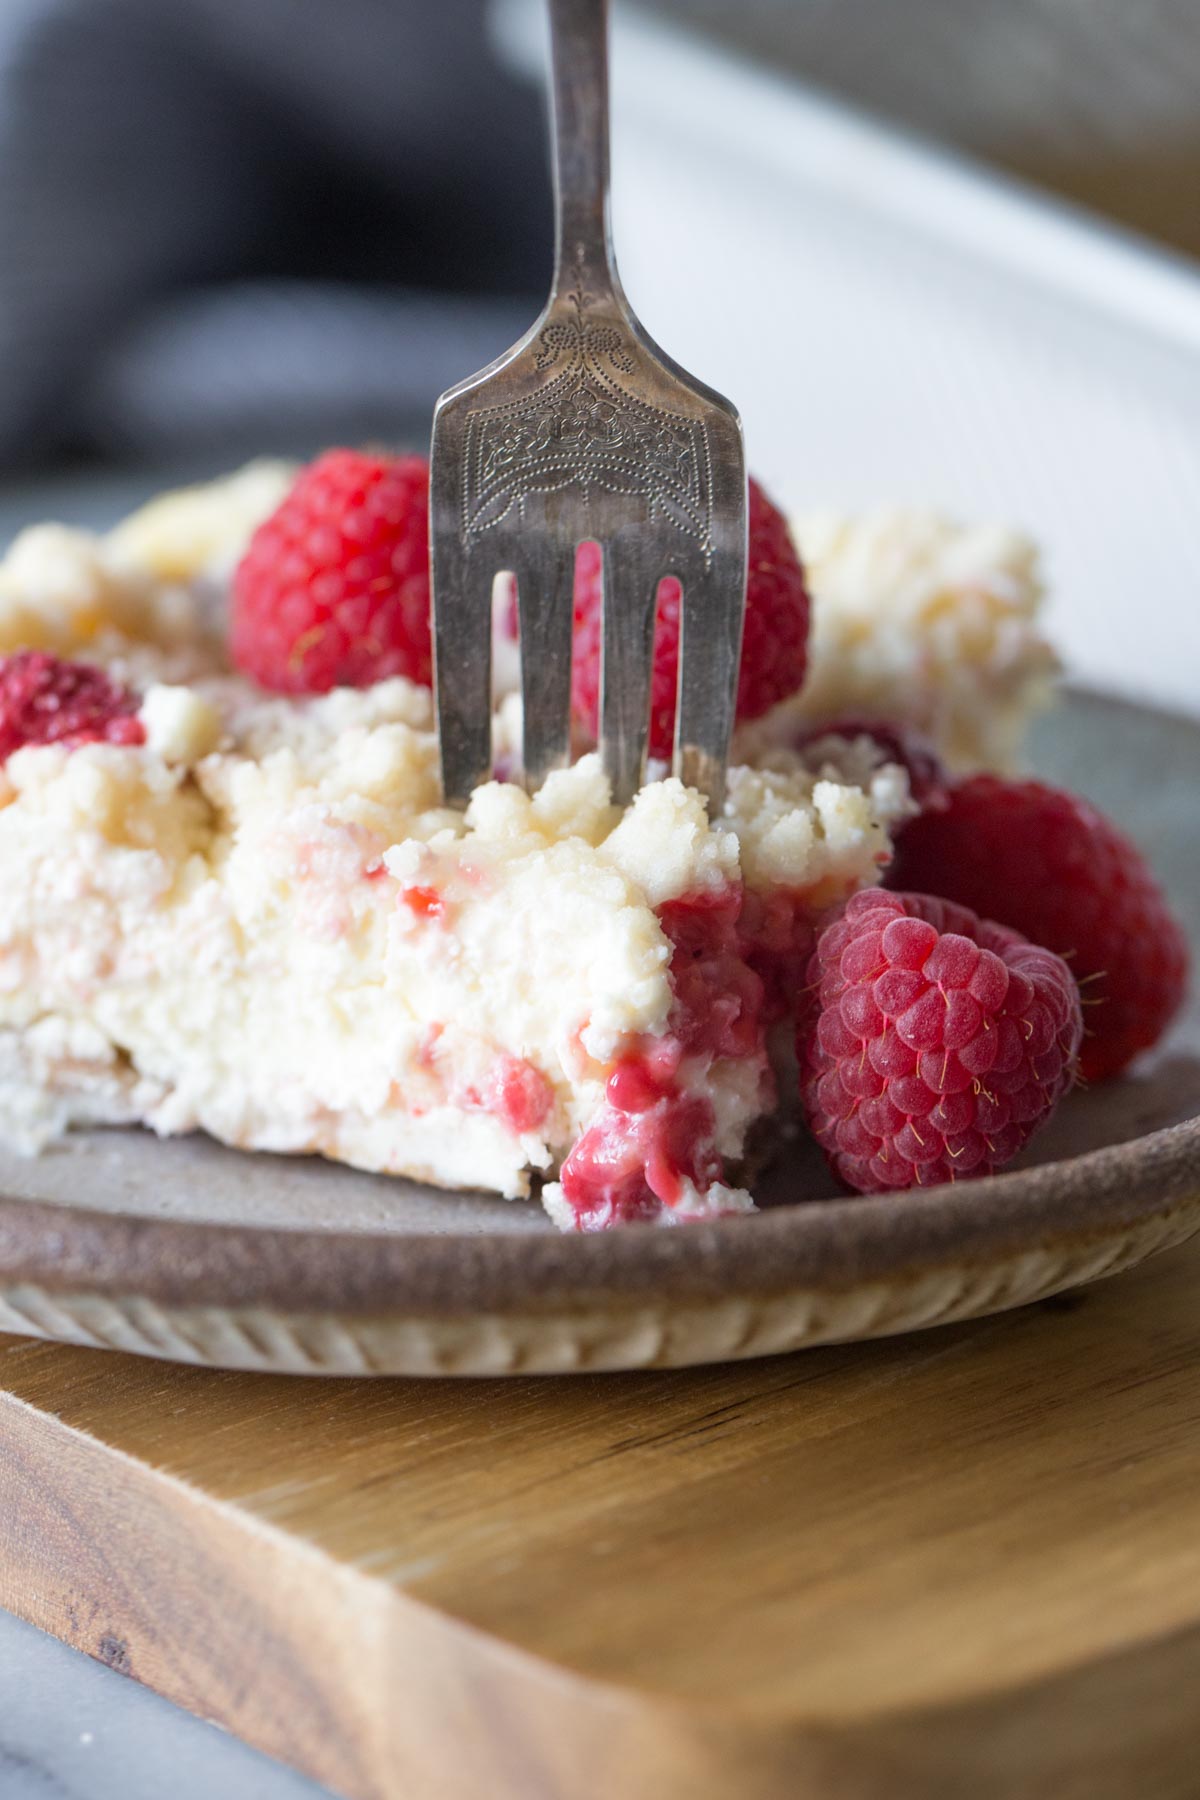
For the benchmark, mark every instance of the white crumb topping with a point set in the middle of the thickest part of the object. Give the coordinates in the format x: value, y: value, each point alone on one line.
x: 809, y: 848
x: 576, y: 802
x: 181, y: 726
x: 317, y: 729
x: 666, y: 845
x: 930, y: 622
x: 148, y: 584
x: 717, y: 1201
x: 57, y: 593
x: 857, y: 760
x: 94, y: 798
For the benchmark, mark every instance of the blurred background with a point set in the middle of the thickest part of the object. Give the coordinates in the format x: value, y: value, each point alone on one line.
x: 937, y: 250
x: 1098, y: 100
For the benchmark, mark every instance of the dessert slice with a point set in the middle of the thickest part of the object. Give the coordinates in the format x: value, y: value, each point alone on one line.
x: 259, y: 921
x: 249, y: 913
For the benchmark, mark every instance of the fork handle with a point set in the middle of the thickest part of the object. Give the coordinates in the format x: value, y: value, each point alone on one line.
x: 579, y: 88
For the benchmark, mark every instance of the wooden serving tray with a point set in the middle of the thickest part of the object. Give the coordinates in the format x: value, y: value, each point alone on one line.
x: 957, y: 1562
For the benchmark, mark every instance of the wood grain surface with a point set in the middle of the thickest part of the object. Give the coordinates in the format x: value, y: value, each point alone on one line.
x: 965, y: 1561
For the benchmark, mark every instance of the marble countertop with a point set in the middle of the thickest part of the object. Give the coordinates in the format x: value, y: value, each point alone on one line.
x: 70, y: 1729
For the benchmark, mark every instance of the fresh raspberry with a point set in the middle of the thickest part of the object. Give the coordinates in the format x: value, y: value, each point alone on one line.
x: 44, y: 700
x: 936, y: 1042
x: 928, y: 782
x: 333, y: 590
x: 1056, y: 870
x: 774, y: 643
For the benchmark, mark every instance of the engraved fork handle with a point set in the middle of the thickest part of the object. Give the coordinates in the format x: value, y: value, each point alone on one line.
x: 579, y: 91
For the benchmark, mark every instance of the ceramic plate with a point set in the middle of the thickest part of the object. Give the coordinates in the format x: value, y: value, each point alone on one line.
x: 185, y: 1250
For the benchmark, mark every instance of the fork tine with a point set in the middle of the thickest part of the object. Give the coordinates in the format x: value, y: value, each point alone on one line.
x: 711, y: 619
x: 631, y: 576
x: 545, y: 604
x: 710, y: 646
x: 462, y: 661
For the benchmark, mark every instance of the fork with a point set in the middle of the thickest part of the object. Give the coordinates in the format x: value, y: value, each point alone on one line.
x: 586, y: 430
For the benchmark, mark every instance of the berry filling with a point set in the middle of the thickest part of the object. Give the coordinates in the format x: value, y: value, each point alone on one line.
x: 44, y: 700
x: 652, y: 1147
x: 518, y: 1094
x: 513, y: 1089
x: 634, y: 1166
x: 425, y: 902
x: 776, y: 935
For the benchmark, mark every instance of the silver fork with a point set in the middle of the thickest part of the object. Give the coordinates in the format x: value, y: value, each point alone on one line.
x: 586, y: 430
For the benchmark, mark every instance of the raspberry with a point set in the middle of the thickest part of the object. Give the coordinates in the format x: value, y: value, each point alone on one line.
x: 928, y: 782
x: 333, y: 590
x: 1053, y: 868
x: 774, y: 644
x: 936, y: 1043
x: 44, y: 700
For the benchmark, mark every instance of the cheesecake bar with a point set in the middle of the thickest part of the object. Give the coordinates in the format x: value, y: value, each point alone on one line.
x: 250, y: 914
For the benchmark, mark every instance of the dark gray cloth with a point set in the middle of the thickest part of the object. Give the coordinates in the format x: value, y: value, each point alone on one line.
x: 253, y: 222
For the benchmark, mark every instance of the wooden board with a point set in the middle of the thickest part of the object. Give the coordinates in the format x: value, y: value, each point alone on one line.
x: 967, y: 1560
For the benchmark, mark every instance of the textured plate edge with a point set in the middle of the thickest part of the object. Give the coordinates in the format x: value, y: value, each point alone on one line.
x: 829, y: 1244
x: 652, y: 1334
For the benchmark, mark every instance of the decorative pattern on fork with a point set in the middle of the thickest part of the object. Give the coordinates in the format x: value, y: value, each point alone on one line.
x: 586, y: 430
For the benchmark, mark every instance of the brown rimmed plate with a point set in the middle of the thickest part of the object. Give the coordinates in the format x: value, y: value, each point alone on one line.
x: 189, y: 1251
